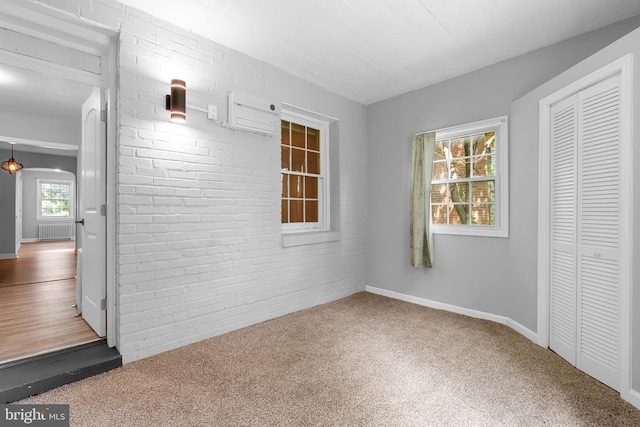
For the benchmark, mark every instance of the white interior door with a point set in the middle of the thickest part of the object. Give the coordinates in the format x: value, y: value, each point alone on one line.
x: 586, y: 230
x: 92, y: 202
x: 562, y: 321
x: 600, y: 231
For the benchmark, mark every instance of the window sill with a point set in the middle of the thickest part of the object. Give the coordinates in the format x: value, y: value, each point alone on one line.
x: 309, y: 238
x: 55, y: 218
x: 471, y: 231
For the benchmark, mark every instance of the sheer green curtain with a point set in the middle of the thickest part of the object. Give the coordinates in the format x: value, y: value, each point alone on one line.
x: 420, y: 197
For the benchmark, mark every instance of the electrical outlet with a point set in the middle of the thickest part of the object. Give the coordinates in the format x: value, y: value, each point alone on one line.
x: 212, y: 112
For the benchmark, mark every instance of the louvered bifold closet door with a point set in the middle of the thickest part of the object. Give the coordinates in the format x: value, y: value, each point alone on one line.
x: 599, y: 233
x: 563, y: 316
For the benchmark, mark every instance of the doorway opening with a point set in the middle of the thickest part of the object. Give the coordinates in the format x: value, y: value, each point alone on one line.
x: 67, y: 60
x: 41, y: 292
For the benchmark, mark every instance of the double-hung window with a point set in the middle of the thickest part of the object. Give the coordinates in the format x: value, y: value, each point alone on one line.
x: 55, y: 199
x: 304, y: 173
x: 469, y: 188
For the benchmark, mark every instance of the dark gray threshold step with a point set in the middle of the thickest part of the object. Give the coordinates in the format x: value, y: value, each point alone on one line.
x: 34, y: 375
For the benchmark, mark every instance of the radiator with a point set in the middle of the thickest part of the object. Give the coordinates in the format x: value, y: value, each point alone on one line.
x: 56, y: 231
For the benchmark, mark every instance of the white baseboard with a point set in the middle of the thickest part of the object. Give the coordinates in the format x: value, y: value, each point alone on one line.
x: 8, y: 256
x: 528, y: 333
x: 522, y: 330
x: 633, y: 397
x: 34, y: 240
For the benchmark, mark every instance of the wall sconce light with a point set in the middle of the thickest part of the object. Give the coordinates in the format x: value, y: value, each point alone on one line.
x: 176, y: 102
x: 11, y: 165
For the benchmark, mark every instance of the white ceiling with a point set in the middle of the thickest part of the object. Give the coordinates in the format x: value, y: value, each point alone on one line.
x: 367, y: 50
x: 40, y: 96
x: 36, y: 94
x: 370, y: 50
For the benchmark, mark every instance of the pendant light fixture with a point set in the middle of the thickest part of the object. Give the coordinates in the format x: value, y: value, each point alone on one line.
x: 11, y: 165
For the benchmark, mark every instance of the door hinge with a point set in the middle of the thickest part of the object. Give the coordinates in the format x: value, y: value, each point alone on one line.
x: 103, y: 304
x: 103, y: 116
x: 103, y: 210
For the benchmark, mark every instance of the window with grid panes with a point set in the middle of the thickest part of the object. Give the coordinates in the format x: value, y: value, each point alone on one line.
x: 469, y: 189
x: 303, y: 176
x: 55, y: 199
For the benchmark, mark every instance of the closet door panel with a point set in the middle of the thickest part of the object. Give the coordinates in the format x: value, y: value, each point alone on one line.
x: 599, y: 235
x: 563, y: 229
x: 599, y: 325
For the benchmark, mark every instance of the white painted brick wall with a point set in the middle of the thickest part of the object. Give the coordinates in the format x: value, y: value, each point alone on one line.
x: 198, y: 206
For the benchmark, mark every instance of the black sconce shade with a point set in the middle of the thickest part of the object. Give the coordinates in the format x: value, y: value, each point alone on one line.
x: 176, y: 102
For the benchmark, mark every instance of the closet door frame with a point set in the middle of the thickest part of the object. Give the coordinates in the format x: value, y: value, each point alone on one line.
x: 624, y: 67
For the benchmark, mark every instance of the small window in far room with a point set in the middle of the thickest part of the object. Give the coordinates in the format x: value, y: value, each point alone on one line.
x: 469, y: 188
x: 304, y: 145
x: 55, y: 199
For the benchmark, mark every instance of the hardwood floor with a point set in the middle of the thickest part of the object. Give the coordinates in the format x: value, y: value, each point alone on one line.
x: 37, y: 293
x: 39, y: 262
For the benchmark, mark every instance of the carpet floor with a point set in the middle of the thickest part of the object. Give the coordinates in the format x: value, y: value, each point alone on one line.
x: 364, y: 360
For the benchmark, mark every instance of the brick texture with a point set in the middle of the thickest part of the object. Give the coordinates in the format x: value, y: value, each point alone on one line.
x: 198, y: 240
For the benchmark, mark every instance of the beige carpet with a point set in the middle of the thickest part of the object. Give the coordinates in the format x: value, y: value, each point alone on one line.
x: 365, y: 360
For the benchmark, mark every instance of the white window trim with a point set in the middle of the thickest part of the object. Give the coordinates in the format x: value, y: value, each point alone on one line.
x: 324, y: 208
x: 501, y: 227
x: 39, y: 216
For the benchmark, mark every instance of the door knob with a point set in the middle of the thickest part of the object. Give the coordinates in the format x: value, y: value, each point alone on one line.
x: 80, y: 222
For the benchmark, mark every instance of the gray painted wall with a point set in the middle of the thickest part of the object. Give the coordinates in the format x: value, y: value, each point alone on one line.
x: 493, y: 275
x: 8, y: 190
x: 7, y: 209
